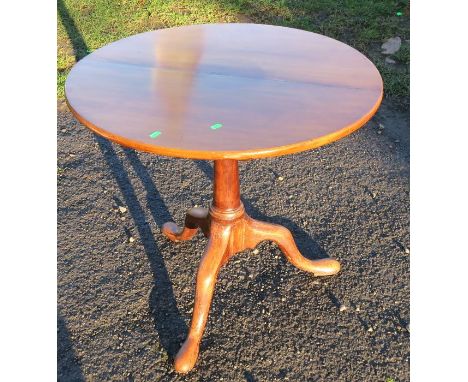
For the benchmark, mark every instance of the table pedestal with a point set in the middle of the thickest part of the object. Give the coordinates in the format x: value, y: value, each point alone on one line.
x: 230, y: 230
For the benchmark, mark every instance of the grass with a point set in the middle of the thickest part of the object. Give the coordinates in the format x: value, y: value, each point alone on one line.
x: 85, y: 25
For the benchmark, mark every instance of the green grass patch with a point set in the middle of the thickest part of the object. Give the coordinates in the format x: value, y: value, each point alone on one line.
x: 403, y: 55
x: 86, y: 25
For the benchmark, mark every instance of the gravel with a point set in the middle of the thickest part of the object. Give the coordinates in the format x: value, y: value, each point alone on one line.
x: 123, y: 309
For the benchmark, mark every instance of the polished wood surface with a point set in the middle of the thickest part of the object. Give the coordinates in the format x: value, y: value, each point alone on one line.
x: 230, y: 230
x: 221, y: 91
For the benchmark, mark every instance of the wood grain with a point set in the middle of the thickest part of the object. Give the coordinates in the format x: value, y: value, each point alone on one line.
x: 275, y: 90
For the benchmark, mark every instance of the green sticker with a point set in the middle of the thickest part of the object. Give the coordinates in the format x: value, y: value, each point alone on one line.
x: 216, y: 126
x: 155, y: 134
x: 399, y: 14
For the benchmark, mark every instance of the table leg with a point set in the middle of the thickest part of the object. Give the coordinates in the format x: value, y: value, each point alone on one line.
x: 230, y: 230
x: 258, y: 231
x: 206, y: 278
x: 196, y: 218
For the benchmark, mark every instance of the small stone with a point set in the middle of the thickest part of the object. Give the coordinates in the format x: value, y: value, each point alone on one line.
x: 284, y: 299
x: 407, y: 251
x: 388, y: 60
x: 374, y: 195
x: 64, y: 130
x: 358, y: 309
x: 72, y: 155
x: 255, y: 251
x: 407, y: 328
x: 381, y: 127
x: 122, y: 209
x: 391, y: 46
x: 343, y: 308
x: 131, y: 239
x: 122, y: 218
x: 370, y: 330
x: 280, y: 178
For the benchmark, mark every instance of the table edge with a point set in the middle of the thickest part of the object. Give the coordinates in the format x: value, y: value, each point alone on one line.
x: 239, y: 155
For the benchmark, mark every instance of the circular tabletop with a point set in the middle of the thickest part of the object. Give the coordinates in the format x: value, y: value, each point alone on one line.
x: 220, y: 91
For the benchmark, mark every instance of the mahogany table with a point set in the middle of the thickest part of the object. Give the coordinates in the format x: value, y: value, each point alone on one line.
x: 225, y: 92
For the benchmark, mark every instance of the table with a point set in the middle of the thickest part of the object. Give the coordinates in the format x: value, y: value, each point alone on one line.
x: 225, y: 92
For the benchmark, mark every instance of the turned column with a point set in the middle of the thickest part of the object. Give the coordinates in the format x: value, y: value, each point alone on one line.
x: 226, y: 188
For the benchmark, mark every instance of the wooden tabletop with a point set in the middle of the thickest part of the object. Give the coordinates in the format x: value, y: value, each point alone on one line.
x: 218, y: 91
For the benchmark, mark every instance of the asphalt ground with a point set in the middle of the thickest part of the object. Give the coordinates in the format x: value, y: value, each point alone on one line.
x: 124, y: 306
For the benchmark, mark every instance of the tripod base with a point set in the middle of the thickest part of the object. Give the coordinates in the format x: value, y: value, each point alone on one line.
x: 229, y: 231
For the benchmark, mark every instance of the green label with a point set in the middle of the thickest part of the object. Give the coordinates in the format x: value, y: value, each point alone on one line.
x: 216, y: 126
x: 155, y: 134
